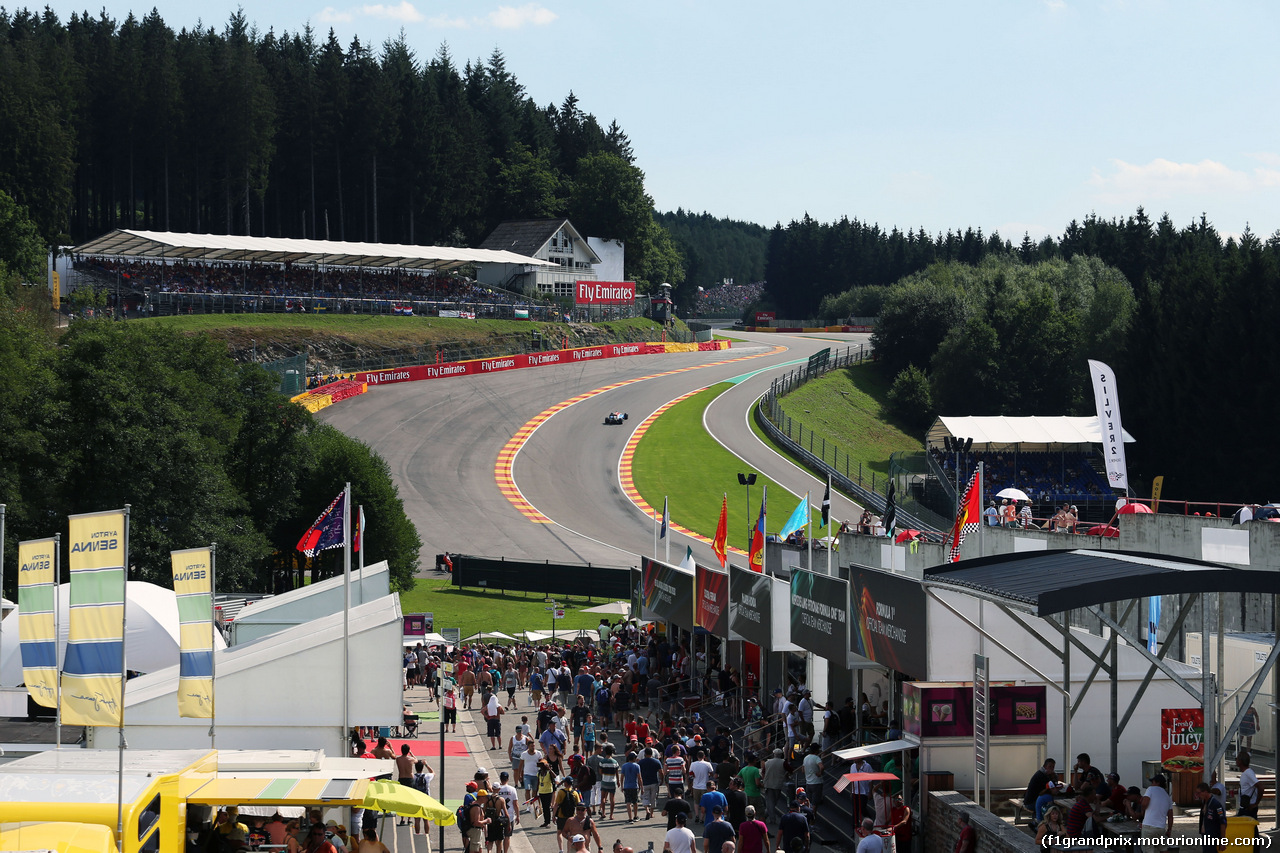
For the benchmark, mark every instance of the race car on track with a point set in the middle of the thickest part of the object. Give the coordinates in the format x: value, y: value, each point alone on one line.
x: 615, y: 417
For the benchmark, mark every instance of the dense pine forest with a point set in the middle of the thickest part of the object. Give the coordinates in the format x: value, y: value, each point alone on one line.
x: 130, y: 124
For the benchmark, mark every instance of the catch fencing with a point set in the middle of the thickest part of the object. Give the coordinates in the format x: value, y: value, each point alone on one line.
x: 828, y: 458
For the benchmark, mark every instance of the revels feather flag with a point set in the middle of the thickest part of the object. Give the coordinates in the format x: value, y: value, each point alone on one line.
x: 37, y: 624
x: 799, y: 518
x: 326, y: 532
x: 756, y: 555
x: 720, y: 545
x: 93, y: 668
x: 967, y: 518
x: 357, y: 535
x: 1107, y: 403
x: 666, y: 519
x: 193, y: 584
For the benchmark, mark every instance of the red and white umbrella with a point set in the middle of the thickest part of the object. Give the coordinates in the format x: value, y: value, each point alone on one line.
x: 1133, y: 508
x: 849, y: 778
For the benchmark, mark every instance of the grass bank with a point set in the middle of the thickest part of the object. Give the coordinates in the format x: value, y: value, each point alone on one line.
x: 847, y: 408
x: 679, y: 460
x: 241, y: 331
x: 474, y: 610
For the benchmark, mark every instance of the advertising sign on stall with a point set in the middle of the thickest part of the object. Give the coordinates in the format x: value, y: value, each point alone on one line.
x: 1182, y: 740
x: 751, y: 605
x: 763, y: 318
x: 668, y: 593
x: 889, y: 621
x: 820, y: 614
x: 713, y: 601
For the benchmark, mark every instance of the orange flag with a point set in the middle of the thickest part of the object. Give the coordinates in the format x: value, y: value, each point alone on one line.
x: 720, y: 543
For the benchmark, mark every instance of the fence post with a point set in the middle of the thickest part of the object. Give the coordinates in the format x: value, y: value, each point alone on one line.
x: 873, y: 481
x: 859, y: 473
x: 824, y: 448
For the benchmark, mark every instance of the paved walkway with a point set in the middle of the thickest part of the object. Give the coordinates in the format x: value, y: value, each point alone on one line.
x: 529, y: 837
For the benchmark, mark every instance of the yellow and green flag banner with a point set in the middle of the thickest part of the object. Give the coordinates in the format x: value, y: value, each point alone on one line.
x: 193, y: 583
x: 92, y: 693
x: 37, y: 625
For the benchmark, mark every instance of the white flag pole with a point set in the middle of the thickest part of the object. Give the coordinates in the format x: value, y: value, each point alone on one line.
x: 124, y: 679
x: 666, y: 524
x: 57, y: 640
x: 832, y: 537
x: 655, y: 534
x: 346, y: 618
x: 360, y: 571
x: 808, y: 530
x: 213, y: 649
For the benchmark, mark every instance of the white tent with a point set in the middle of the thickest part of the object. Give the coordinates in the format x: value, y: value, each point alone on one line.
x: 151, y: 641
x: 281, y: 692
x: 1030, y: 433
x: 268, y: 615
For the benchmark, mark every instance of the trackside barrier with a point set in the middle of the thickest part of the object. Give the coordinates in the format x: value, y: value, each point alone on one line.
x: 808, y: 329
x: 584, y: 581
x: 476, y: 367
x: 326, y: 395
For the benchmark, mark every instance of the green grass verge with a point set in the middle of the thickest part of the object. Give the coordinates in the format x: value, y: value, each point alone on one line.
x: 473, y: 609
x: 847, y: 408
x: 679, y: 460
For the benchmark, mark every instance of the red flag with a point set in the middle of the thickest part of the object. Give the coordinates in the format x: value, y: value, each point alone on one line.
x: 968, y: 517
x: 326, y: 532
x: 720, y: 544
x: 757, y: 537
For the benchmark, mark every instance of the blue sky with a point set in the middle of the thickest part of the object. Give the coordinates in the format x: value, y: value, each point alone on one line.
x: 1016, y: 116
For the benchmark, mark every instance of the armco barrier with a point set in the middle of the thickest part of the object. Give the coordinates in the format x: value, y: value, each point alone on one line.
x: 326, y: 395
x: 476, y: 367
x: 809, y: 329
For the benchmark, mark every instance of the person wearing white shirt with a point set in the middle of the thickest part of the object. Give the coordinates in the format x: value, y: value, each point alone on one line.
x: 511, y: 797
x: 679, y: 839
x: 862, y: 790
x: 699, y: 772
x: 871, y: 842
x: 1249, y: 794
x: 1157, y: 809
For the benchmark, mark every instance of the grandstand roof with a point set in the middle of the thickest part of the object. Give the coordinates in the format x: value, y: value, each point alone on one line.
x: 279, y: 250
x: 1031, y: 432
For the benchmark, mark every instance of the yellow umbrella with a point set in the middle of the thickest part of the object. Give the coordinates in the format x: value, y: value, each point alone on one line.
x: 386, y: 796
x: 60, y: 836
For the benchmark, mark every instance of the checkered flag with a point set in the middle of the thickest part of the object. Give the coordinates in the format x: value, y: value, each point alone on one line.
x: 967, y: 518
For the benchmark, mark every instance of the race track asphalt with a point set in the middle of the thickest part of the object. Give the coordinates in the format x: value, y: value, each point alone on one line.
x: 441, y: 439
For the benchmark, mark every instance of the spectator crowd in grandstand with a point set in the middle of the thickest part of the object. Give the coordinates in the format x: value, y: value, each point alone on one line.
x: 1045, y: 476
x: 287, y: 280
x: 729, y: 300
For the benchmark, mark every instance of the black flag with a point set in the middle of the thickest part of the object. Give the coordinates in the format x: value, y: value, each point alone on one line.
x: 826, y: 505
x: 890, y: 508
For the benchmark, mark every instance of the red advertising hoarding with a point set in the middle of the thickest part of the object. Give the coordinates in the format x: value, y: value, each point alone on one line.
x: 605, y: 292
x: 1182, y: 740
x: 763, y: 317
x: 712, y: 608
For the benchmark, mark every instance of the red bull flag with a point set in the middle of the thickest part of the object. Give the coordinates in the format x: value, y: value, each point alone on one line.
x: 757, y: 537
x: 720, y: 543
x: 968, y: 517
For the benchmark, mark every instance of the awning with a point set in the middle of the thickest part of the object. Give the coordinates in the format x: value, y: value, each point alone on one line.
x: 1049, y: 582
x: 1033, y: 433
x: 280, y: 250
x: 875, y: 749
x: 280, y: 791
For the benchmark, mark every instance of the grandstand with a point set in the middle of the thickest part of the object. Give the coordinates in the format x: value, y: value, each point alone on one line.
x: 1055, y: 460
x: 154, y: 274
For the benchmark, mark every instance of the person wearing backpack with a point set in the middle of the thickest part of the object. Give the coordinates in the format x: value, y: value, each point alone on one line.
x: 564, y: 804
x: 422, y: 776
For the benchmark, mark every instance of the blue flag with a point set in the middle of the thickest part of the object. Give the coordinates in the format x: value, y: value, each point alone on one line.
x: 326, y: 532
x: 799, y: 518
x: 666, y: 519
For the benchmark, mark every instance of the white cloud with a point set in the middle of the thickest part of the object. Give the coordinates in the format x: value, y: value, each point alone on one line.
x: 1165, y: 179
x: 1055, y: 5
x: 330, y: 15
x: 403, y: 12
x: 515, y: 17
x: 447, y: 23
